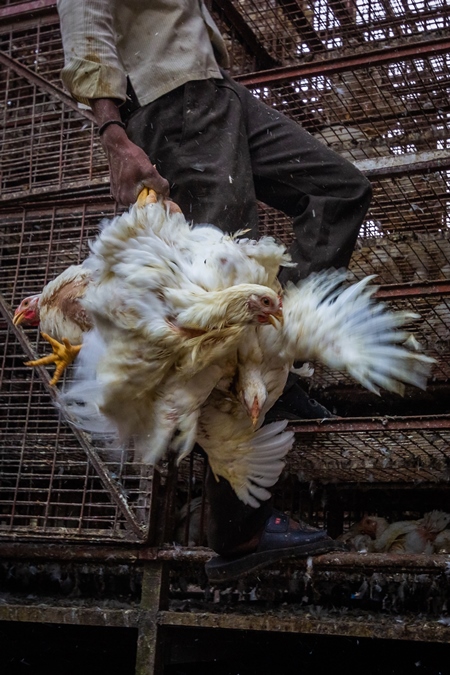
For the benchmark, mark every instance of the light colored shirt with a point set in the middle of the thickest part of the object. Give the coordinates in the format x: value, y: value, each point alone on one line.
x: 158, y: 44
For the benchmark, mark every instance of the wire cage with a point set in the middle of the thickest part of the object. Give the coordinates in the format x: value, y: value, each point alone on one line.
x: 56, y: 481
x: 369, y: 79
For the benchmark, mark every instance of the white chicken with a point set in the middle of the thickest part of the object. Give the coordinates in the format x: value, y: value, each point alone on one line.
x: 426, y: 535
x: 170, y: 333
x: 362, y: 535
x: 413, y: 536
x: 60, y: 315
x: 343, y: 328
x: 186, y: 351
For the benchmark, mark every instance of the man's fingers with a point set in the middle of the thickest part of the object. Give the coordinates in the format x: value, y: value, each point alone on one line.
x: 159, y: 184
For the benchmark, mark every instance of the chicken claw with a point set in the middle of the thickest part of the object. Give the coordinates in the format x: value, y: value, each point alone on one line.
x: 146, y: 196
x: 149, y: 196
x: 63, y: 355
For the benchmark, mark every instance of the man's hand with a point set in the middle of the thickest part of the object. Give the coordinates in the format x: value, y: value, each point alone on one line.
x: 129, y: 167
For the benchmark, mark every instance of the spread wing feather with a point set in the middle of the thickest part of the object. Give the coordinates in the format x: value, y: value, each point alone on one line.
x: 250, y: 460
x: 344, y: 328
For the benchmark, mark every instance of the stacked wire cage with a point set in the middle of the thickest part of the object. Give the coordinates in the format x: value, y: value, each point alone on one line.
x: 369, y: 79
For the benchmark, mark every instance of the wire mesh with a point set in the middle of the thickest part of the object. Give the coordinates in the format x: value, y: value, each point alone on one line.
x: 51, y: 484
x: 50, y: 487
x: 45, y: 144
x: 379, y: 112
x: 377, y: 116
x: 373, y: 453
x: 35, y: 42
x: 289, y: 30
x: 39, y: 243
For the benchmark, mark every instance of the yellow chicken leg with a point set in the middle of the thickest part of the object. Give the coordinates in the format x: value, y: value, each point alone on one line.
x: 63, y: 355
x: 149, y: 196
x: 146, y: 196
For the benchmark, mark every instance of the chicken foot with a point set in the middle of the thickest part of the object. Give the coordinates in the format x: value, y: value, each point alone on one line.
x: 64, y: 353
x: 149, y: 196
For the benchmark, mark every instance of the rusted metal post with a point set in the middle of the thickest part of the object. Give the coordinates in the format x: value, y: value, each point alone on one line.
x: 153, y: 599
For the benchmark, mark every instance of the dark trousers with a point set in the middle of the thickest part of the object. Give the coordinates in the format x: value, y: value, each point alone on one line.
x: 222, y: 149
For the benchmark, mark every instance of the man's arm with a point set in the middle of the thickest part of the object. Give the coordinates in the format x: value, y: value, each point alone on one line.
x: 94, y: 74
x: 129, y: 167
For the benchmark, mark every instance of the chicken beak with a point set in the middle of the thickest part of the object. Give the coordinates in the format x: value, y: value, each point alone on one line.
x: 276, y: 319
x: 18, y: 318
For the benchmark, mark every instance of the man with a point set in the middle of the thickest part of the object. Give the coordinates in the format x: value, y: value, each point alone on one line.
x: 170, y: 118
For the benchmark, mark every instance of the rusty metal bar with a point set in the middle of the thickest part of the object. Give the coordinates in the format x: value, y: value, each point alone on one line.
x: 374, y: 168
x: 41, y: 83
x: 75, y: 552
x: 77, y: 616
x: 400, y: 165
x: 154, y: 597
x: 364, y: 626
x: 352, y: 424
x: 342, y: 63
x: 113, y: 553
x: 82, y: 438
x: 94, y: 191
x: 413, y: 289
x: 342, y: 561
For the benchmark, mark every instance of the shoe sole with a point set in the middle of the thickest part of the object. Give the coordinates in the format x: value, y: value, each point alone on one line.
x: 220, y: 570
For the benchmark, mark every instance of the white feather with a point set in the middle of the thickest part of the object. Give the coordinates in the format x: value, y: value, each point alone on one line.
x: 344, y: 328
x: 181, y: 361
x: 250, y: 460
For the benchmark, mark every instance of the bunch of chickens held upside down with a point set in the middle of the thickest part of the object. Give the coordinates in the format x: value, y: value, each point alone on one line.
x: 187, y: 337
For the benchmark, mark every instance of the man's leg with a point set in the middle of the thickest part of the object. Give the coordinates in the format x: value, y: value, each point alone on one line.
x: 326, y: 196
x: 249, y: 539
